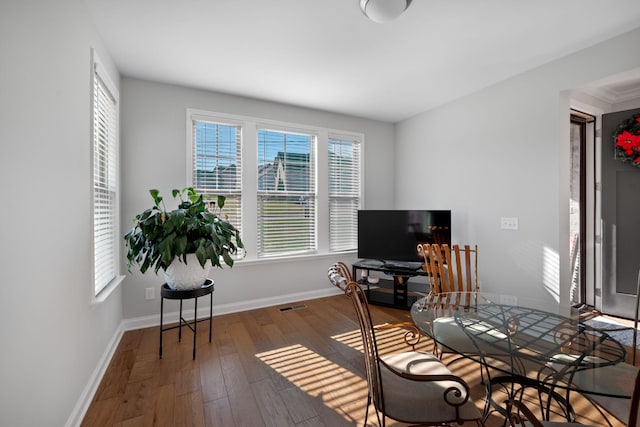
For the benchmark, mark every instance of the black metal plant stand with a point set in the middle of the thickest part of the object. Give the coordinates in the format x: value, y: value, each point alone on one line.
x: 168, y: 293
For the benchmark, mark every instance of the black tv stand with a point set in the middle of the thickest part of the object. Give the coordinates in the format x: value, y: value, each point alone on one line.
x: 391, y: 292
x: 402, y: 265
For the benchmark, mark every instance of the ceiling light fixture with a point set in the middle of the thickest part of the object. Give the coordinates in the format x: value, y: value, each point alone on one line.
x: 383, y: 10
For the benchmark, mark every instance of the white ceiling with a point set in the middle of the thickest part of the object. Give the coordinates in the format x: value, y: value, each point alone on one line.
x: 325, y: 54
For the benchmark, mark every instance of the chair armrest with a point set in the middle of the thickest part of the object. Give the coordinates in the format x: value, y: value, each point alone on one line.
x: 411, y: 337
x: 522, y: 414
x: 452, y: 395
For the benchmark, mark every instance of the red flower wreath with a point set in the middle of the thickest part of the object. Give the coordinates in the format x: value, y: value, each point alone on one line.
x: 627, y: 140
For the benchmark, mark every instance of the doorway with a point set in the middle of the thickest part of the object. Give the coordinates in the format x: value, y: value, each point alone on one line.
x: 582, y: 133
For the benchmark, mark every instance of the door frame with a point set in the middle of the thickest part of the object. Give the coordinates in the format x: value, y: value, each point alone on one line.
x: 590, y: 203
x: 584, y: 121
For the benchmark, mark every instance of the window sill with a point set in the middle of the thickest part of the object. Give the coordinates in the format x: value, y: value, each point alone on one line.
x: 104, y: 294
x: 290, y: 258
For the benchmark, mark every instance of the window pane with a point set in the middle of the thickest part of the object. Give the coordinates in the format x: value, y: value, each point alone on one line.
x: 286, y: 225
x: 284, y: 162
x: 286, y: 193
x: 217, y: 166
x: 344, y: 193
x: 104, y: 185
x: 217, y: 149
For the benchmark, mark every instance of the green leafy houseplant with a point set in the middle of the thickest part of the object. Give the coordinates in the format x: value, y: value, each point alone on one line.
x: 195, y: 227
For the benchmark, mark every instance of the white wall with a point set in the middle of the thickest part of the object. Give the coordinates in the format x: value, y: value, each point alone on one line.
x: 52, y: 338
x: 154, y: 156
x: 504, y: 152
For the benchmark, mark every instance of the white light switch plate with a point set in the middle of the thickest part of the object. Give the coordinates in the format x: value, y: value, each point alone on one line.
x: 509, y: 223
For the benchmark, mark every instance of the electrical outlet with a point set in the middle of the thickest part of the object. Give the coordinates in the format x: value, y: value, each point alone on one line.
x: 149, y: 293
x: 509, y: 223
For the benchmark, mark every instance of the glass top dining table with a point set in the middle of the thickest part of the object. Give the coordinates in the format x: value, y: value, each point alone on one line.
x: 521, y: 341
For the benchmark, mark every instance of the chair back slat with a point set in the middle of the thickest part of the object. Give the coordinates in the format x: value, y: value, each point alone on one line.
x: 423, y: 251
x: 471, y: 283
x: 444, y: 260
x: 456, y: 249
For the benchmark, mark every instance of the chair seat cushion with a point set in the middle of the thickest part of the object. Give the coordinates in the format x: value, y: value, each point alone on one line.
x: 448, y: 334
x: 420, y: 401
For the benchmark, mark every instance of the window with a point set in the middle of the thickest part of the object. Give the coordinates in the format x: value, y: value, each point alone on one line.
x: 344, y: 193
x: 286, y: 193
x: 105, y: 180
x: 216, y: 164
x: 299, y: 194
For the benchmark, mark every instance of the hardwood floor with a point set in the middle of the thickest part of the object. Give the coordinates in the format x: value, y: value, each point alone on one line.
x: 264, y: 367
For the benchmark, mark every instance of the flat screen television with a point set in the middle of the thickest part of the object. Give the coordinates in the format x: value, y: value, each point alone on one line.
x: 393, y: 235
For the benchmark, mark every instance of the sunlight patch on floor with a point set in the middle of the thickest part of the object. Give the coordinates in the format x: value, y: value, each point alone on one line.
x: 388, y: 340
x: 339, y: 388
x: 318, y: 376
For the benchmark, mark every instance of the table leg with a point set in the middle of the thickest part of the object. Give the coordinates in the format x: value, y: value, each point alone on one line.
x: 195, y: 326
x: 210, y: 313
x: 180, y: 324
x: 161, y: 312
x: 508, y: 384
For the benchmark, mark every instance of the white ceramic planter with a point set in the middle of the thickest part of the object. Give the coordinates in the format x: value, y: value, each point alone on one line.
x: 187, y: 276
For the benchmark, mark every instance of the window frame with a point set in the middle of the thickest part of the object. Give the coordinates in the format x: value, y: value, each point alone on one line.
x: 99, y: 292
x: 250, y: 126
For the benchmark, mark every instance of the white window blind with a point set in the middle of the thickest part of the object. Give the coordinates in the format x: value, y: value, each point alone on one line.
x: 344, y: 193
x: 105, y: 185
x: 217, y: 165
x: 286, y: 193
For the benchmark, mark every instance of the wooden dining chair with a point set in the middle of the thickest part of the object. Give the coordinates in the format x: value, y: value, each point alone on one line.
x: 412, y: 387
x: 519, y: 415
x: 450, y: 269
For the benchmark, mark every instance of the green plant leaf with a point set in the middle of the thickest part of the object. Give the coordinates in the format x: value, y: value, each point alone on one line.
x: 227, y: 259
x: 177, y: 218
x: 201, y: 254
x: 190, y: 191
x: 180, y: 245
x: 155, y: 194
x: 221, y: 200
